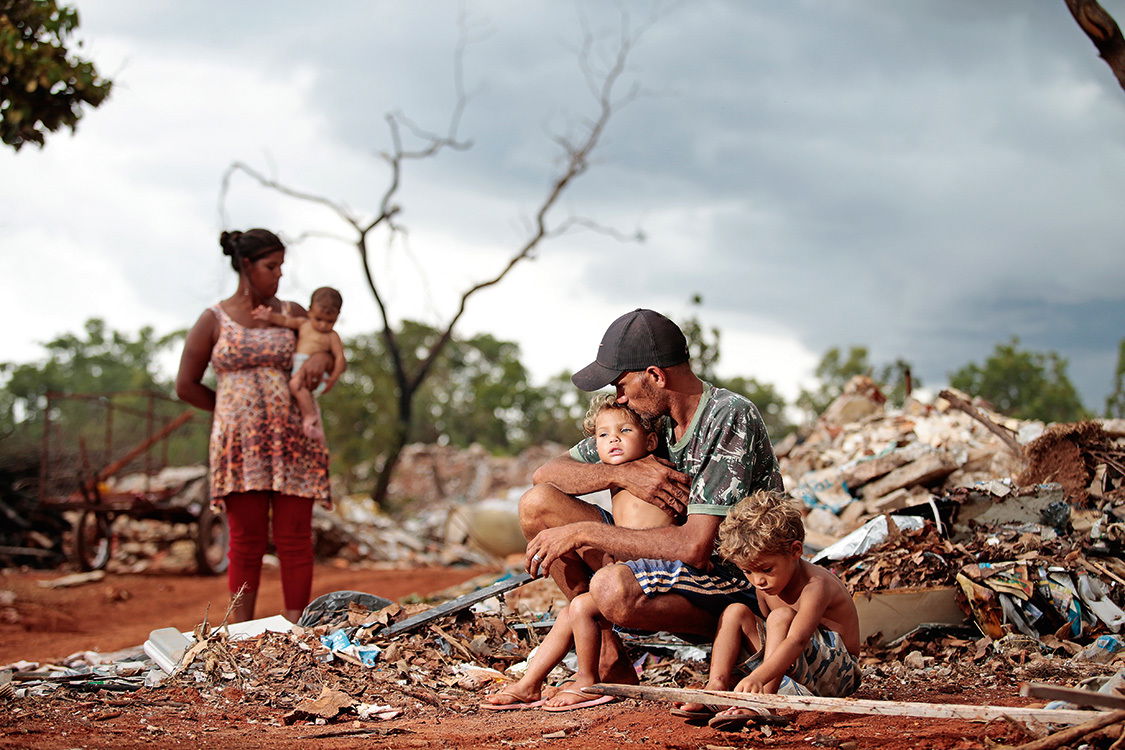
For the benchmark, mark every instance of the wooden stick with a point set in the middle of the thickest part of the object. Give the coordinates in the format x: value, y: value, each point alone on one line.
x: 1077, y: 696
x: 999, y: 430
x: 844, y: 705
x: 455, y: 643
x: 1098, y: 568
x: 1071, y: 734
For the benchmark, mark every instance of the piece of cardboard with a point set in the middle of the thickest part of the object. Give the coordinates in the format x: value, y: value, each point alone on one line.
x: 895, y: 612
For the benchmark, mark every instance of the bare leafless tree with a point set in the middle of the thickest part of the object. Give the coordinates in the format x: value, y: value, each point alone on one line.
x: 1103, y: 31
x: 604, y: 81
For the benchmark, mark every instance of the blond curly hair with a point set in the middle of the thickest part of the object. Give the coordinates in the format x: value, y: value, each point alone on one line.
x: 767, y: 522
x: 602, y: 401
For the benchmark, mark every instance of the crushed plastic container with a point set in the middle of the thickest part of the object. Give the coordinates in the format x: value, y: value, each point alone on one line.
x: 166, y: 646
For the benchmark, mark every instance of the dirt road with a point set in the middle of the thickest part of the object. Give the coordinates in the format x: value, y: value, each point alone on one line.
x: 119, y: 612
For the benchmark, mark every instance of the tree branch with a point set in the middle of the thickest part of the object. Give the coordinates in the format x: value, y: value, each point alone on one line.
x: 577, y: 162
x: 1103, y: 31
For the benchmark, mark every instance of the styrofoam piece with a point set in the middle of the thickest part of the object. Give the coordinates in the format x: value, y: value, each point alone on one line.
x: 166, y: 650
x: 166, y: 646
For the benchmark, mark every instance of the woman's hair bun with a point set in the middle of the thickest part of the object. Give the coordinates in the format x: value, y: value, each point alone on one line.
x: 229, y: 242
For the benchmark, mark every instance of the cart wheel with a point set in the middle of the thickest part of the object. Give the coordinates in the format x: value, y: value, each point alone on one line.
x: 211, y: 542
x: 93, y: 540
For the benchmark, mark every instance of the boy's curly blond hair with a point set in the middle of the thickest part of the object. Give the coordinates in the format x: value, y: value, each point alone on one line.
x: 602, y: 401
x: 765, y: 523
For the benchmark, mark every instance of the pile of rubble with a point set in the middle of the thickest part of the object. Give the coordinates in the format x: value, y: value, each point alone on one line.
x: 1017, y: 526
x: 351, y: 656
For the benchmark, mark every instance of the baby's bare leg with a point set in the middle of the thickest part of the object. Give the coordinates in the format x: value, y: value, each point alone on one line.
x: 630, y: 512
x: 310, y: 417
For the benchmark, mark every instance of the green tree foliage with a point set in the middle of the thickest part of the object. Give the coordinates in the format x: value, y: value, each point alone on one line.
x: 98, y: 364
x: 43, y: 87
x: 1022, y: 384
x: 835, y: 369
x: 1115, y: 402
x: 833, y: 372
x: 478, y: 391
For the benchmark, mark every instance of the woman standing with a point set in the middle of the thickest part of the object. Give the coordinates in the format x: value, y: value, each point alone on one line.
x: 263, y: 468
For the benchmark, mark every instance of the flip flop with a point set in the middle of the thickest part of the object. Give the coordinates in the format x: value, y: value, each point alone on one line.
x: 704, y: 713
x: 599, y: 700
x: 520, y: 705
x: 738, y: 722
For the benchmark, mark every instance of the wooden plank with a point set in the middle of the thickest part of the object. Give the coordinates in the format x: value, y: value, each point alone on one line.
x: 1077, y: 696
x: 846, y: 705
x: 454, y: 606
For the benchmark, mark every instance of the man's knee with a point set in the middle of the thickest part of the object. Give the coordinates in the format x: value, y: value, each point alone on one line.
x: 616, y: 592
x: 541, y: 508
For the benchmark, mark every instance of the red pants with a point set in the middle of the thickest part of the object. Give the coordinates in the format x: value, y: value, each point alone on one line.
x: 248, y: 515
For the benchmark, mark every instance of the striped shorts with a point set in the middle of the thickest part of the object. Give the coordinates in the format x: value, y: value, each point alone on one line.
x: 711, y: 590
x: 825, y: 668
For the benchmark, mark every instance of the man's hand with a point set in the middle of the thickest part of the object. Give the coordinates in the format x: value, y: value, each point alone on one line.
x: 657, y: 482
x: 551, y: 544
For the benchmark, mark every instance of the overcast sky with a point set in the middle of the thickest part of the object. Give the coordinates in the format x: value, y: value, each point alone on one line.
x: 926, y: 179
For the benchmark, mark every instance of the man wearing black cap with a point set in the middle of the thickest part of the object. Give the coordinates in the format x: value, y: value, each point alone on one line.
x: 713, y: 452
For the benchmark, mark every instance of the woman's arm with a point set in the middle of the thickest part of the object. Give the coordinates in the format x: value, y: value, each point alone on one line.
x: 194, y: 360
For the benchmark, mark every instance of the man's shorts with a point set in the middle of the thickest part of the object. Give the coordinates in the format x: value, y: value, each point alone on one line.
x: 825, y: 668
x: 711, y: 590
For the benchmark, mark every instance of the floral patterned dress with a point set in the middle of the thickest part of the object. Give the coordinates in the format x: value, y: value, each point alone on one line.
x: 256, y: 438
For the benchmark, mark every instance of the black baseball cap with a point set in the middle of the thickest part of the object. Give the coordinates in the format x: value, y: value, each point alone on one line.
x: 636, y: 340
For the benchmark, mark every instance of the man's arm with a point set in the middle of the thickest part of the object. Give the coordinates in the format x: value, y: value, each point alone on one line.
x: 693, y: 542
x: 263, y: 312
x: 649, y: 478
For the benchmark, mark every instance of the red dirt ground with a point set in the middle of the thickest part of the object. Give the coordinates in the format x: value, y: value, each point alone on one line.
x: 119, y: 612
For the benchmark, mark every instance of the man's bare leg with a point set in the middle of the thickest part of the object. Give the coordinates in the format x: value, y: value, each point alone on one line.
x: 547, y: 507
x: 622, y: 602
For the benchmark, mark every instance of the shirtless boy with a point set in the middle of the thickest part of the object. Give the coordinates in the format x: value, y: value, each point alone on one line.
x: 620, y: 436
x: 807, y: 638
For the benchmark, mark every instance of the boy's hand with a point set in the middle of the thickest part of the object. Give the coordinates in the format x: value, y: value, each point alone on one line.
x: 261, y: 312
x: 750, y: 684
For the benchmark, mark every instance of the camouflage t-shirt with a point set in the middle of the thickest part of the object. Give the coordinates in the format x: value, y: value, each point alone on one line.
x: 725, y: 451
